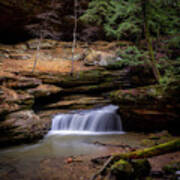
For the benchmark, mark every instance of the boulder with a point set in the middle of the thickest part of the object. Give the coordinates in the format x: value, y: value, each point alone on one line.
x: 99, y: 58
x: 129, y: 170
x: 122, y: 169
x: 22, y: 127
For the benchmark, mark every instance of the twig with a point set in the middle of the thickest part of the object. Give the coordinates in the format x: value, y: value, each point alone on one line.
x: 74, y: 35
x: 103, y: 169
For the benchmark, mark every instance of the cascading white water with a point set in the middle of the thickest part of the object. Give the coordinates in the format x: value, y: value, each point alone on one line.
x: 100, y: 120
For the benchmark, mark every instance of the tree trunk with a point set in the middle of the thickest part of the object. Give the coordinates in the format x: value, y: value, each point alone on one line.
x: 37, y: 53
x: 74, y: 36
x: 145, y: 5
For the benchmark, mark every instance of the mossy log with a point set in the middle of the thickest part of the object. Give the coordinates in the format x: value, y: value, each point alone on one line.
x: 152, y: 151
x: 170, y: 146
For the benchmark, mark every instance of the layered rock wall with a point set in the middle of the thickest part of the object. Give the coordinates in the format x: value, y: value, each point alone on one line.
x: 28, y: 101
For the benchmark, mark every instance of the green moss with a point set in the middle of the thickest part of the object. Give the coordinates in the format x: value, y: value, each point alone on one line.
x: 122, y: 169
x: 170, y: 146
x: 148, y: 142
x: 89, y: 74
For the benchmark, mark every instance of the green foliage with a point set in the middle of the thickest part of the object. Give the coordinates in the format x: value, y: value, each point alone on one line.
x: 117, y: 17
x: 170, y: 69
x: 123, y: 19
x: 131, y: 56
x: 96, y: 13
x: 174, y: 42
x: 163, y: 17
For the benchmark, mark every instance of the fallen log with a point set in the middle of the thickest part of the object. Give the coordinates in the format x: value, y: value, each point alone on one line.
x: 160, y: 149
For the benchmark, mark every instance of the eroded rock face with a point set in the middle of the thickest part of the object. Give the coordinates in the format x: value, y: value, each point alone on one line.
x: 12, y: 101
x: 22, y: 127
x: 28, y: 101
x: 149, y: 108
x: 44, y: 90
x: 23, y: 94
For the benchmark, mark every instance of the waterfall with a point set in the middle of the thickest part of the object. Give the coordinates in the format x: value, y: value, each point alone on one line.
x: 100, y: 120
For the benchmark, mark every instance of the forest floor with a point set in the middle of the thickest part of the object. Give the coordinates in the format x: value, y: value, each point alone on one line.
x: 56, y: 60
x: 59, y: 65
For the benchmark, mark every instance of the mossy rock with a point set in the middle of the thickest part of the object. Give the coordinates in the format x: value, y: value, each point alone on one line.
x: 122, y: 169
x: 141, y: 167
x: 171, y: 168
x: 135, y: 169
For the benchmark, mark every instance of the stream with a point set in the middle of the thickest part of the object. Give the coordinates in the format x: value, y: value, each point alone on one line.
x: 73, y: 134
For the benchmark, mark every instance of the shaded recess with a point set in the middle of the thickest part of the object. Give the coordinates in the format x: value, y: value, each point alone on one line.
x: 17, y: 15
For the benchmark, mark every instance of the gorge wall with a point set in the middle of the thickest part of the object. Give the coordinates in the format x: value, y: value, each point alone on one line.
x: 29, y: 101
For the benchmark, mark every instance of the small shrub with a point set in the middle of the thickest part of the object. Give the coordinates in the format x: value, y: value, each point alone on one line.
x: 131, y: 56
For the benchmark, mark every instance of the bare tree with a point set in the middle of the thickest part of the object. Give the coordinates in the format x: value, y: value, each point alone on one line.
x: 74, y: 35
x: 45, y: 29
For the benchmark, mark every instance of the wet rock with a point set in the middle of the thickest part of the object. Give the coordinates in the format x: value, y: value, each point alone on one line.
x: 21, y: 127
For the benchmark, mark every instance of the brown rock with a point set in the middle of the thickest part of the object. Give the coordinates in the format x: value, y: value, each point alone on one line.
x: 22, y: 126
x: 44, y: 90
x: 22, y: 83
x: 14, y: 101
x: 98, y: 58
x: 145, y: 108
